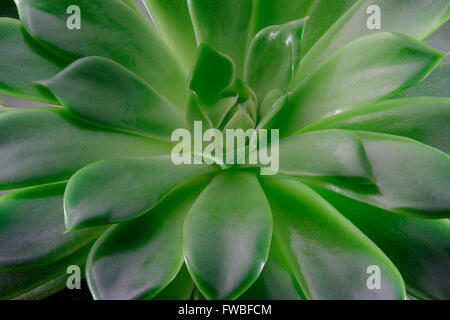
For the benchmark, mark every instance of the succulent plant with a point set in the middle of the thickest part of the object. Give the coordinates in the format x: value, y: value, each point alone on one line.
x: 357, y: 209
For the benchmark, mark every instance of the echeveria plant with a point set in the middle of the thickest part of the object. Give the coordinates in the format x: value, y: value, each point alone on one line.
x: 356, y: 209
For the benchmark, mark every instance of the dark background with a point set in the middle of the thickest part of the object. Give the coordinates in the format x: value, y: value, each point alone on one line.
x: 8, y: 9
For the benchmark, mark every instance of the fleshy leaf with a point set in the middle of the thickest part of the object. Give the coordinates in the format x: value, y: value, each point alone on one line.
x: 40, y: 146
x: 277, y: 281
x: 273, y: 56
x: 148, y: 251
x: 23, y: 61
x: 240, y: 120
x: 396, y: 16
x: 323, y: 15
x: 18, y: 282
x: 195, y: 112
x: 419, y: 248
x: 105, y: 93
x: 435, y: 85
x: 361, y: 73
x: 122, y: 189
x: 212, y: 73
x: 270, y: 12
x: 407, y: 177
x: 219, y: 111
x: 328, y: 153
x: 422, y: 119
x: 174, y: 24
x: 227, y: 235
x: 225, y: 25
x: 325, y: 248
x: 109, y: 29
x: 32, y: 228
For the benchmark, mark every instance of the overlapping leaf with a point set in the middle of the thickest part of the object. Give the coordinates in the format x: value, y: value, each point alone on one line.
x: 419, y: 248
x: 391, y: 172
x: 32, y: 228
x: 148, y: 251
x: 329, y: 256
x: 363, y: 72
x: 121, y: 189
x: 110, y: 29
x: 227, y: 235
x: 23, y: 61
x: 108, y: 94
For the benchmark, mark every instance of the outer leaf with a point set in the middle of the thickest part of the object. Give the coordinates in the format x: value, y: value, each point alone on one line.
x: 419, y: 248
x: 173, y: 22
x: 323, y: 15
x: 273, y: 57
x: 22, y: 62
x: 277, y: 281
x: 46, y: 290
x: 147, y: 252
x: 108, y: 94
x: 32, y: 228
x: 422, y: 119
x: 40, y: 146
x: 212, y: 72
x: 122, y: 189
x: 227, y: 235
x: 435, y: 85
x: 361, y: 73
x: 270, y: 12
x: 17, y: 282
x: 329, y: 255
x: 328, y: 153
x: 225, y: 25
x: 396, y: 16
x: 407, y: 177
x: 110, y: 29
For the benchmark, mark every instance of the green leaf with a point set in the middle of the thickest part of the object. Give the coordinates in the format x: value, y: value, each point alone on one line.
x: 417, y: 21
x: 270, y: 12
x: 23, y: 62
x: 422, y: 119
x: 227, y: 235
x: 180, y: 288
x: 328, y: 153
x: 361, y: 73
x: 225, y: 25
x: 46, y: 290
x: 419, y: 248
x: 323, y: 15
x: 110, y: 29
x: 407, y: 176
x: 174, y: 24
x: 122, y: 189
x: 212, y: 73
x: 18, y: 282
x: 195, y: 112
x: 148, y: 251
x: 40, y: 146
x: 32, y: 228
x: 273, y: 57
x: 240, y: 120
x: 272, y: 104
x: 277, y: 281
x: 435, y: 85
x: 105, y: 93
x: 330, y: 257
x: 221, y: 109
